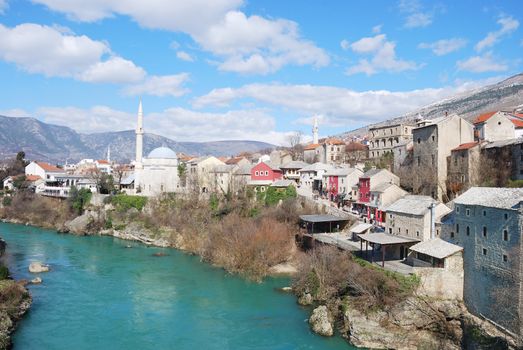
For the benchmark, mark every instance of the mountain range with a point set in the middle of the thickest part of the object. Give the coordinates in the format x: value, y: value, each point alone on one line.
x: 57, y: 144
x: 505, y: 95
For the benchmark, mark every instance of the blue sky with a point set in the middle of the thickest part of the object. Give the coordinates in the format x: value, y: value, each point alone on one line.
x: 233, y: 69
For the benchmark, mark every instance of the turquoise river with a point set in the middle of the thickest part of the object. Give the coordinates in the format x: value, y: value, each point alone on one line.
x: 101, y: 295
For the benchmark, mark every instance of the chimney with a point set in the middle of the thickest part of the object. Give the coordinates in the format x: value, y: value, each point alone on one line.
x: 432, y: 220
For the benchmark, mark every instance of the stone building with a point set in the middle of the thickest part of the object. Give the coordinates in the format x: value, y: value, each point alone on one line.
x: 412, y: 216
x: 339, y: 181
x: 158, y: 173
x: 433, y: 141
x: 330, y: 151
x: 463, y: 168
x: 311, y: 177
x: 222, y: 177
x: 503, y: 160
x: 487, y: 222
x: 290, y: 170
x: 199, y: 174
x: 383, y: 139
x: 312, y: 153
x: 381, y: 196
x: 498, y: 126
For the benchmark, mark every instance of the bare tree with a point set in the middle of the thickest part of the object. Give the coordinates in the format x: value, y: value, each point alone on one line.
x: 295, y: 145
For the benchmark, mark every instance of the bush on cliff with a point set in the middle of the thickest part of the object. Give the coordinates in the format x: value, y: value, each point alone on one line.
x: 124, y: 202
x: 79, y: 198
x: 328, y: 274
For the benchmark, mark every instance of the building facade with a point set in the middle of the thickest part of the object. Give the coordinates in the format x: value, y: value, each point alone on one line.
x: 433, y: 141
x: 383, y: 139
x: 487, y: 222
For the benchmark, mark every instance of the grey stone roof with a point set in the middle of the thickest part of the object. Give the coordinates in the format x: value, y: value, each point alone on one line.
x: 385, y: 238
x: 283, y: 183
x: 128, y: 180
x: 317, y: 166
x: 295, y: 164
x: 361, y: 227
x: 340, y: 172
x: 372, y: 172
x: 322, y: 218
x: 436, y: 248
x: 244, y: 170
x: 382, y: 187
x: 411, y: 204
x: 503, y: 198
x: 503, y: 143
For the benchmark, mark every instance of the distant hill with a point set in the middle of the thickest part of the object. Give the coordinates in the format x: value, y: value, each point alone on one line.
x: 506, y: 94
x: 57, y: 144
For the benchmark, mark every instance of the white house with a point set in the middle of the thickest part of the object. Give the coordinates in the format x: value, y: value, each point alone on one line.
x: 45, y: 170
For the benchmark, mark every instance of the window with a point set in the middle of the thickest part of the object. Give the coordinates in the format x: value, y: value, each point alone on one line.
x: 468, y: 212
x: 432, y: 159
x: 484, y: 213
x: 505, y: 258
x: 390, y: 230
x: 266, y: 173
x: 484, y: 251
x: 452, y: 235
x: 457, y: 228
x: 457, y: 209
x: 505, y: 235
x: 433, y: 138
x: 407, y: 231
x: 399, y: 230
x: 485, y: 231
x: 417, y: 233
x: 468, y: 231
x: 257, y: 173
x: 506, y: 216
x: 419, y: 161
x: 419, y: 140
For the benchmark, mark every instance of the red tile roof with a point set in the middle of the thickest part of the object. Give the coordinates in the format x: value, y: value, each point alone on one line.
x: 102, y: 161
x: 311, y: 146
x: 49, y: 168
x: 234, y: 160
x: 32, y: 178
x: 334, y: 141
x: 484, y: 117
x: 356, y: 146
x: 518, y: 123
x: 465, y: 146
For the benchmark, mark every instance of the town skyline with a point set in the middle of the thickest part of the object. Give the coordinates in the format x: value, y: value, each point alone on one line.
x: 86, y: 65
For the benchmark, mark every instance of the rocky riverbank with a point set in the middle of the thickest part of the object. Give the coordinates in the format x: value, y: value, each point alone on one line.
x: 15, y: 300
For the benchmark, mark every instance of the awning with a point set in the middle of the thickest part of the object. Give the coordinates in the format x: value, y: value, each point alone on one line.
x: 322, y: 218
x: 360, y: 228
x: 386, y: 239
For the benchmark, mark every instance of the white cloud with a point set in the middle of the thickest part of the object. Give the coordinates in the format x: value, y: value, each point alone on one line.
x: 176, y: 123
x: 341, y: 107
x: 245, y: 44
x: 114, y: 70
x: 57, y: 52
x: 344, y: 44
x: 444, y: 46
x: 184, y: 56
x: 95, y: 119
x: 415, y: 16
x: 167, y: 85
x: 377, y: 29
x: 481, y: 64
x: 383, y: 58
x: 508, y: 25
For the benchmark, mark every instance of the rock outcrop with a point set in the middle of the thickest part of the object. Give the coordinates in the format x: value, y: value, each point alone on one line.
x: 305, y: 299
x: 320, y: 321
x: 38, y: 267
x: 413, y: 324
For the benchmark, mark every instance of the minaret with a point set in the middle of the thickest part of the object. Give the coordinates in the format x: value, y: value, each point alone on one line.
x: 109, y: 153
x: 139, y: 138
x: 315, y: 131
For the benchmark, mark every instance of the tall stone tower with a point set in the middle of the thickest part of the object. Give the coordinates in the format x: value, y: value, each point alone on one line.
x: 139, y: 138
x: 315, y: 131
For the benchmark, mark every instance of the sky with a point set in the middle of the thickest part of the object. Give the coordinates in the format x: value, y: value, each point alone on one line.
x: 237, y: 69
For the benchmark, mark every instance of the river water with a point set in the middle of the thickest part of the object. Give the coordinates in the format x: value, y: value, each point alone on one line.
x: 101, y: 295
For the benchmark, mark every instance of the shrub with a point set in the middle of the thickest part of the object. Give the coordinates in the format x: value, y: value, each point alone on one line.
x: 4, y: 272
x: 515, y: 183
x: 125, y: 202
x: 79, y: 198
x: 6, y: 201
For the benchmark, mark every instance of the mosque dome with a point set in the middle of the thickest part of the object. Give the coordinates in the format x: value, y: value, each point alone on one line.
x: 162, y: 152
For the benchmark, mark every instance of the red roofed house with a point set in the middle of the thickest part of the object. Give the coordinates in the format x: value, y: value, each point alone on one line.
x: 264, y: 174
x: 497, y: 126
x: 330, y: 151
x: 312, y: 153
x: 45, y: 170
x: 463, y: 168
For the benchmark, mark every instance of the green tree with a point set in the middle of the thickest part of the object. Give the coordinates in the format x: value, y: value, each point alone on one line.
x: 79, y: 198
x: 182, y: 173
x: 19, y: 182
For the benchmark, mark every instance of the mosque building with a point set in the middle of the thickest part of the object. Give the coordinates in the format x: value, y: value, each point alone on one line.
x: 158, y: 172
